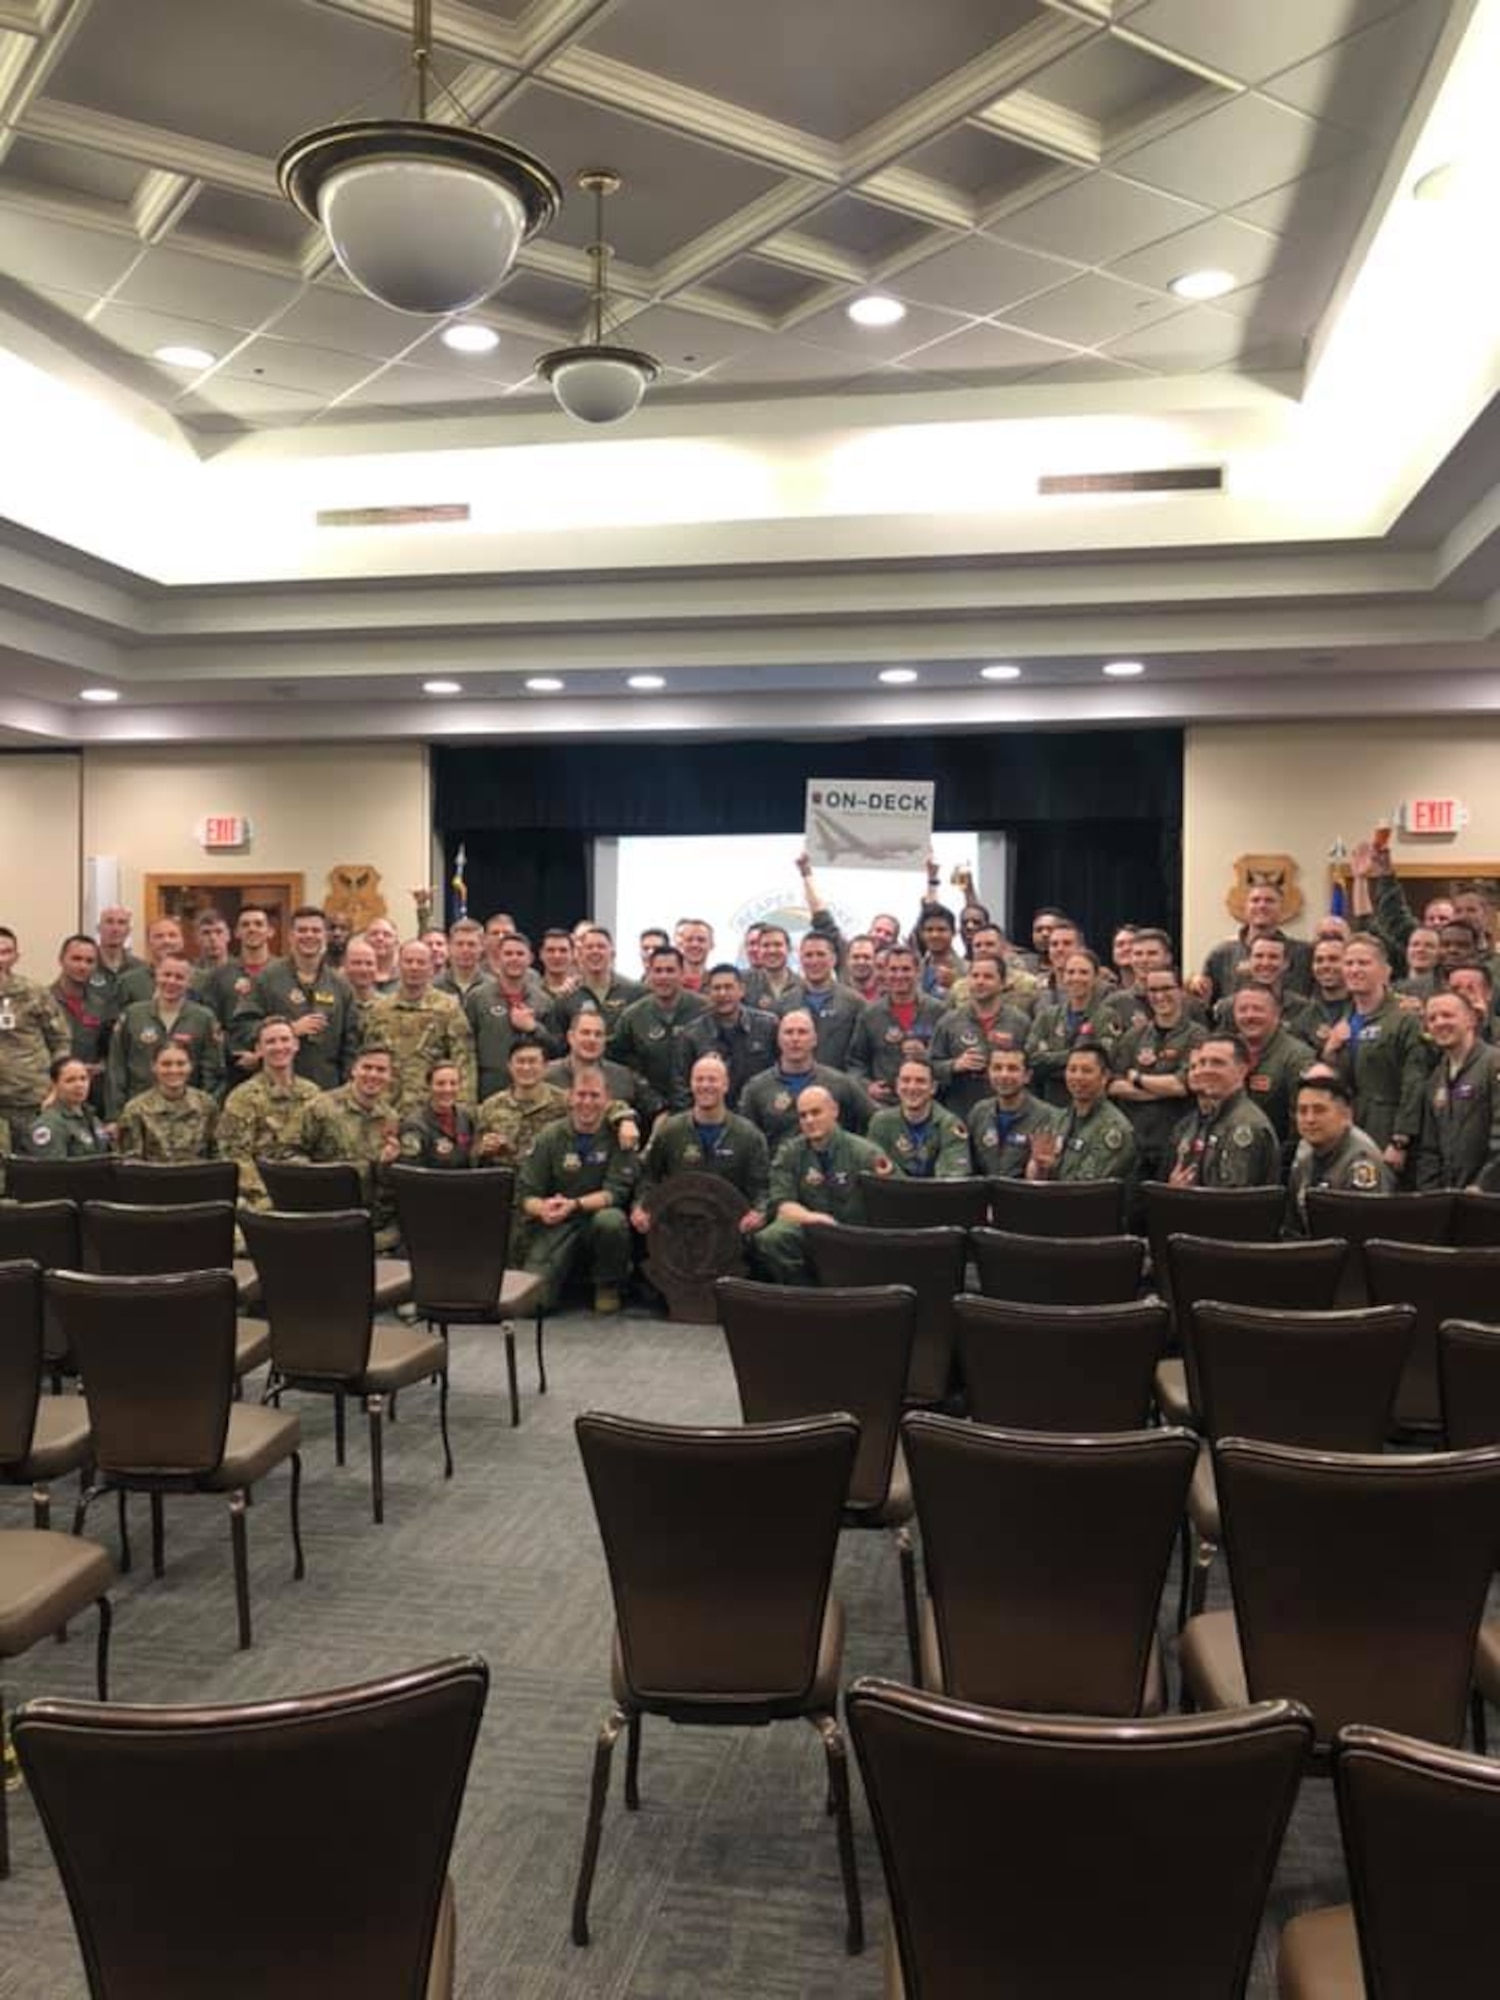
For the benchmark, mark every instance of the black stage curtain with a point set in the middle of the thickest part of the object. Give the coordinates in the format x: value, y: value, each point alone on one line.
x: 1095, y: 815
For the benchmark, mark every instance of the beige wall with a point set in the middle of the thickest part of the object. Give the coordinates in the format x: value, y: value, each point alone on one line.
x: 39, y: 855
x: 311, y: 806
x: 1296, y: 788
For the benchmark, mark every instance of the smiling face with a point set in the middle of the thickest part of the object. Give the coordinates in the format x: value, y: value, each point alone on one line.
x: 709, y: 1084
x: 444, y: 1086
x: 1450, y: 1021
x: 816, y: 957
x: 171, y: 1067
x: 415, y: 968
x: 914, y: 1089
x: 71, y: 1085
x: 1008, y: 1074
x: 172, y: 977
x: 817, y: 1115
x: 586, y: 1037
x: 1215, y: 1071
x: 796, y: 1038
x: 1078, y: 976
x: 309, y: 938
x: 1086, y: 1078
x: 1262, y: 907
x: 371, y: 1076
x: 1323, y: 1117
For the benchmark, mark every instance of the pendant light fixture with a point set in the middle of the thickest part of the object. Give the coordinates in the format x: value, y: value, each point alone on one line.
x: 424, y: 217
x: 595, y: 381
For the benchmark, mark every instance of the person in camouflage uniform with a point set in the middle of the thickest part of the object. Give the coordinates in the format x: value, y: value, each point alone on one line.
x: 358, y: 1124
x: 420, y: 1027
x: 170, y: 1121
x: 1093, y: 1140
x: 34, y: 1032
x: 262, y: 1119
x: 167, y: 1016
x: 814, y: 1181
x: 67, y: 1127
x: 922, y: 1139
x: 574, y: 1191
x: 509, y: 1122
x: 1227, y: 1141
x: 442, y: 1134
x: 1003, y: 1125
x: 1333, y: 1152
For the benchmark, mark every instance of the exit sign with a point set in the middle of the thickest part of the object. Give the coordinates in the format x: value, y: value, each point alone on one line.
x: 1433, y: 816
x: 221, y: 830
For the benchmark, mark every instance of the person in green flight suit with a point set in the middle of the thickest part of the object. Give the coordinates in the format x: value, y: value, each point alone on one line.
x: 1077, y: 1020
x: 708, y: 1139
x: 1226, y: 1141
x: 1333, y: 1152
x: 814, y: 1181
x: 1093, y: 1141
x: 67, y: 1127
x: 923, y: 1139
x: 574, y: 1190
x: 1460, y: 1139
x: 645, y: 1038
x: 1379, y: 1050
x: 168, y: 1016
x: 1003, y: 1125
x: 1277, y: 1058
x: 1150, y: 1065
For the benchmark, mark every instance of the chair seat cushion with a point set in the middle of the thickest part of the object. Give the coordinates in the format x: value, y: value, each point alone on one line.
x: 1487, y: 1661
x: 1212, y: 1666
x: 46, y: 1579
x: 402, y: 1354
x: 1203, y: 1499
x: 1172, y: 1397
x: 252, y: 1344
x: 1153, y: 1697
x: 392, y: 1283
x: 683, y: 1706
x: 247, y: 1283
x: 258, y: 1439
x: 60, y: 1439
x: 521, y: 1294
x: 1319, y: 1957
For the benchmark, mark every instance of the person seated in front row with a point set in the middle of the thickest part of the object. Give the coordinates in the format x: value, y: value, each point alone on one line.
x: 1093, y: 1140
x: 1332, y: 1151
x: 923, y: 1139
x: 67, y: 1127
x: 708, y: 1139
x: 814, y: 1181
x: 172, y: 1120
x: 358, y: 1123
x: 574, y: 1192
x: 442, y: 1133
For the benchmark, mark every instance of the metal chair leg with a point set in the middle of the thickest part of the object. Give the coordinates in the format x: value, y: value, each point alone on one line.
x: 443, y: 1422
x: 838, y: 1784
x: 338, y: 1426
x: 240, y: 1546
x: 908, y: 1557
x: 510, y: 1372
x: 1479, y: 1723
x: 124, y: 1533
x: 1185, y: 1579
x: 1203, y: 1562
x: 299, y: 1567
x: 541, y: 1358
x: 633, y: 1763
x: 101, y: 1656
x: 41, y: 1506
x: 373, y: 1404
x: 4, y: 1806
x: 158, y: 1536
x: 604, y: 1751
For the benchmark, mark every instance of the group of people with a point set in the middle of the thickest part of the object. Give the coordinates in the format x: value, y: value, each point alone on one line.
x: 1360, y: 1058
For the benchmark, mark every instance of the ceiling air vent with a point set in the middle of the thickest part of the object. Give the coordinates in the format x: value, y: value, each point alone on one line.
x: 390, y: 517
x: 1170, y: 479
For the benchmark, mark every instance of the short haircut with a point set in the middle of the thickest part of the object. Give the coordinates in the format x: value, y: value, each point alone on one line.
x: 308, y: 910
x: 75, y: 937
x: 921, y: 1061
x: 552, y: 931
x: 724, y: 966
x: 272, y: 1021
x: 1266, y: 992
x: 257, y: 910
x: 523, y: 1042
x: 470, y: 926
x: 1326, y: 1080
x: 667, y: 951
x: 443, y: 1062
x: 597, y: 930
x: 1083, y: 951
x: 988, y: 958
x: 515, y: 937
x: 939, y: 912
x: 588, y: 1072
x: 1093, y: 1051
x: 379, y: 1049
x: 772, y: 930
x: 58, y: 1064
x: 900, y: 950
x: 1370, y: 942
x: 1149, y: 934
x: 655, y: 931
x: 1474, y: 965
x: 1236, y: 1042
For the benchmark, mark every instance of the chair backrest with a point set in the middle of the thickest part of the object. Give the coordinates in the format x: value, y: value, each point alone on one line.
x: 1289, y: 1277
x: 1395, y: 1218
x: 1476, y: 1220
x: 1441, y: 1283
x: 1229, y: 1215
x: 127, y: 1239
x: 20, y: 1356
x: 895, y: 1201
x: 720, y: 1547
x: 1058, y: 1208
x: 304, y: 1187
x: 1469, y: 1383
x: 1325, y: 1380
x: 1421, y: 1832
x: 317, y: 1280
x: 1045, y: 1558
x: 798, y: 1350
x: 1060, y: 1368
x: 84, y: 1179
x: 157, y: 1356
x: 1070, y: 1903
x: 164, y: 1183
x: 930, y: 1260
x: 456, y: 1228
x: 47, y: 1232
x: 1058, y: 1270
x: 341, y: 1806
x: 1359, y: 1581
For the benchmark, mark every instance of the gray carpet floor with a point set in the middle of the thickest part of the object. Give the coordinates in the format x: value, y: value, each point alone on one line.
x: 726, y: 1883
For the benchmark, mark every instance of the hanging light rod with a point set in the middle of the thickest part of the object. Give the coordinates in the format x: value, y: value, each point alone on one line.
x: 596, y: 381
x: 424, y: 217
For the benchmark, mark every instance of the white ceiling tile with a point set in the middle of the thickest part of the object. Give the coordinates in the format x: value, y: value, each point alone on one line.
x: 141, y: 332
x: 1235, y: 152
x: 1219, y: 244
x: 980, y: 276
x: 400, y: 387
x: 38, y: 252
x: 326, y: 316
x: 985, y: 349
x: 511, y: 362
x: 1366, y: 84
x: 1252, y: 39
x: 1090, y: 310
x: 72, y: 169
x: 780, y: 361
x: 1113, y: 83
x: 206, y: 288
x: 685, y: 339
x: 1098, y: 219
x: 318, y: 371
x: 1197, y: 338
x: 866, y: 345
x: 1327, y: 206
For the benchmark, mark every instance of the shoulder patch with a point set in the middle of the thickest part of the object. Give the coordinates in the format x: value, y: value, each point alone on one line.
x: 1365, y: 1176
x: 1114, y: 1138
x: 882, y: 1164
x: 41, y: 1135
x: 960, y: 1130
x: 1243, y: 1137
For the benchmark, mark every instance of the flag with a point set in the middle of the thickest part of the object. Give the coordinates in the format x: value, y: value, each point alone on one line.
x: 459, y: 885
x: 1336, y: 898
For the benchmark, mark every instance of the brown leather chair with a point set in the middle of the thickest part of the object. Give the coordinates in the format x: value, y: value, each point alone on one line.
x: 1359, y: 1582
x: 895, y: 1201
x: 46, y: 1580
x: 1228, y: 1215
x: 1060, y: 1368
x: 322, y: 1187
x: 930, y: 1260
x: 341, y: 1807
x: 1395, y: 1218
x: 85, y: 1179
x: 317, y: 1275
x: 1442, y: 1283
x: 798, y: 1350
x: 1045, y: 1558
x: 1058, y: 1208
x: 47, y: 1233
x: 456, y: 1228
x: 1476, y: 1220
x: 42, y: 1438
x: 720, y: 1546
x: 157, y: 1359
x: 127, y: 1240
x: 1421, y: 1830
x: 1469, y: 1382
x: 1322, y: 1380
x: 165, y: 1183
x: 1058, y: 1270
x: 1024, y: 1854
x: 1288, y: 1277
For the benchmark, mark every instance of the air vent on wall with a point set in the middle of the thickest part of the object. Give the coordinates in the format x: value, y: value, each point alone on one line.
x: 1171, y: 479
x: 390, y: 517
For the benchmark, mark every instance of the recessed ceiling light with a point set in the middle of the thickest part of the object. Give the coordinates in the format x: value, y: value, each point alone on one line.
x: 1203, y: 284
x: 645, y: 683
x: 442, y: 687
x: 1124, y: 670
x: 1000, y: 672
x: 1436, y: 183
x: 469, y: 336
x: 897, y: 676
x: 544, y: 684
x: 875, y: 309
x: 98, y: 694
x: 176, y: 356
